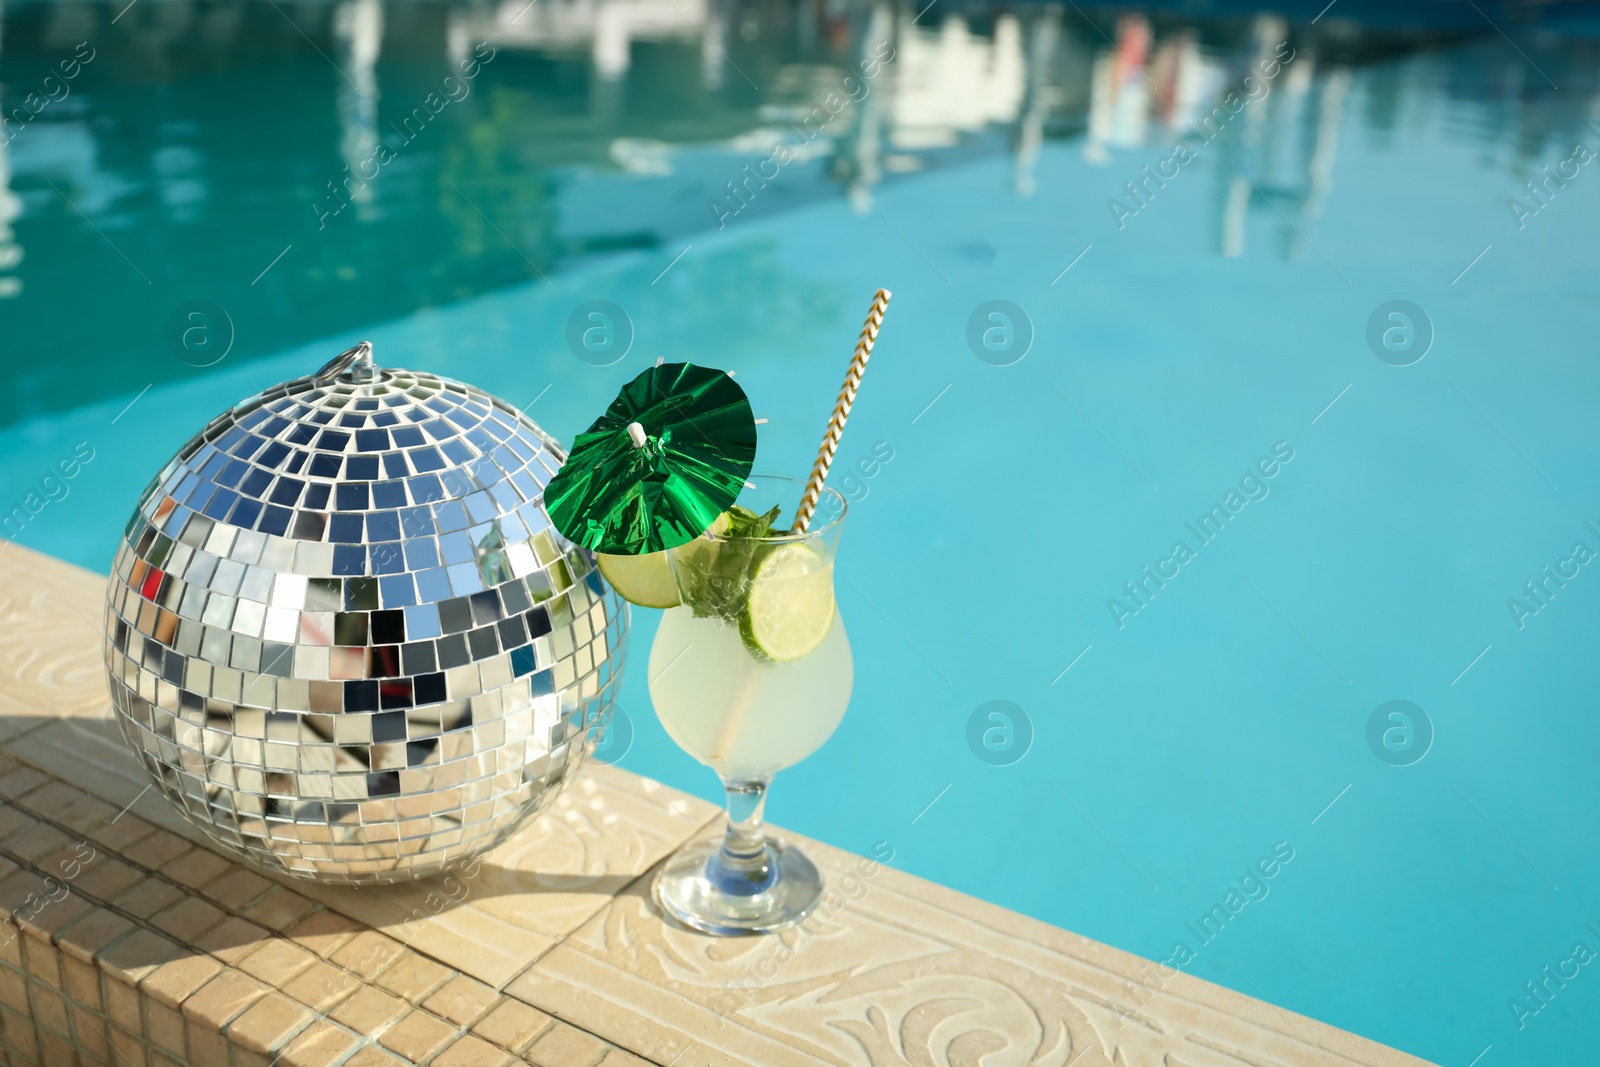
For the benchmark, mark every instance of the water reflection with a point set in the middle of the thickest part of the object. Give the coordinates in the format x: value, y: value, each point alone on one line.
x: 10, y: 203
x: 1038, y: 97
x: 1119, y: 103
x: 209, y: 135
x: 358, y: 28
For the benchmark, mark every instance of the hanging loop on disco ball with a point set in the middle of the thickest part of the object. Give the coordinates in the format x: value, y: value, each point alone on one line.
x: 342, y: 634
x: 353, y: 364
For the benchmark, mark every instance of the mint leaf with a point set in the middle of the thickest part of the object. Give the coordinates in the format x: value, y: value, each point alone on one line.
x: 742, y: 522
x: 722, y: 570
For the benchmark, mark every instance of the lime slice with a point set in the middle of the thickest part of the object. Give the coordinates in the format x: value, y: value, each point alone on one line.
x: 790, y: 606
x: 647, y: 580
x: 643, y: 580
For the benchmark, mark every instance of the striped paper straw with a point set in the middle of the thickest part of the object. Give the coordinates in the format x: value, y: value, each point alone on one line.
x: 841, y: 412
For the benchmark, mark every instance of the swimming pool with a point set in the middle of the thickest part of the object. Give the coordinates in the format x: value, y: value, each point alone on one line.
x: 1376, y: 501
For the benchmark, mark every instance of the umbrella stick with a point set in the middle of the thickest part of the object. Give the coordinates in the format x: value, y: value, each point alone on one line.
x: 841, y: 411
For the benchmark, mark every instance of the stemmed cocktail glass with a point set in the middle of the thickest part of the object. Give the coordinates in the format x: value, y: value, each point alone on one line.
x: 751, y: 670
x: 750, y: 674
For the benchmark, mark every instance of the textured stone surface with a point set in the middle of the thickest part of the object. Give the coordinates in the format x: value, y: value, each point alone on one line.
x: 124, y: 940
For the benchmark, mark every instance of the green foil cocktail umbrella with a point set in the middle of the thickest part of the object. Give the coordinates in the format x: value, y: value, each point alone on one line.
x: 669, y: 455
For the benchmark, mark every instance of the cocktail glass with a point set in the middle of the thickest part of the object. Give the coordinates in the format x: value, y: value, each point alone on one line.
x: 746, y: 715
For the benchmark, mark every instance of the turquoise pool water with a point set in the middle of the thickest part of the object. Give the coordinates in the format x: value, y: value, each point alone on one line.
x: 1396, y: 482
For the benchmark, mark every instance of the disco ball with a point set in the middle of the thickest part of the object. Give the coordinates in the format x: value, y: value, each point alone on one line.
x: 342, y: 634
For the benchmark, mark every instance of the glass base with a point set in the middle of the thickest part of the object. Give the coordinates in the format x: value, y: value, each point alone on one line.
x: 693, y: 887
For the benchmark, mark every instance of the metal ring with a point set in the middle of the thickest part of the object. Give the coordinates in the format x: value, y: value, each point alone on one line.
x: 357, y: 362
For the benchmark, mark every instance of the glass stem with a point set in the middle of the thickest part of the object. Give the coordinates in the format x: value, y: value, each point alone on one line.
x: 743, y: 866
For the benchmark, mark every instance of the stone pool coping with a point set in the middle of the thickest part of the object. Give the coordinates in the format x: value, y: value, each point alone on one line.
x: 127, y: 941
